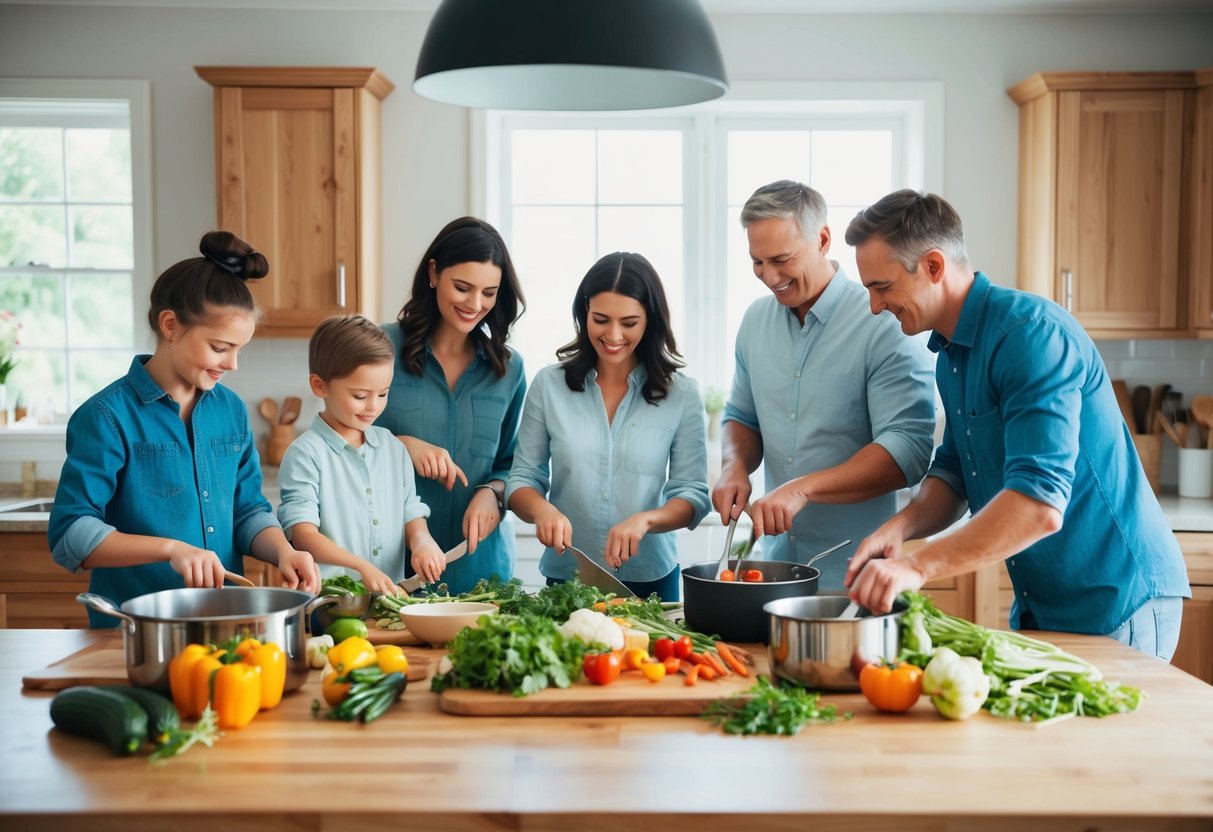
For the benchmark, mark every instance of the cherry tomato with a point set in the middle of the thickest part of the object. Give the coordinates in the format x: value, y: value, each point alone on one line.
x: 602, y: 668
x: 672, y: 663
x: 728, y: 575
x: 663, y: 648
x: 683, y: 647
x: 753, y: 576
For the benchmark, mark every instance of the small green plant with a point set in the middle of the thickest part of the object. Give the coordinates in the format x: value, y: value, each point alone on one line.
x: 9, y: 339
x: 713, y: 399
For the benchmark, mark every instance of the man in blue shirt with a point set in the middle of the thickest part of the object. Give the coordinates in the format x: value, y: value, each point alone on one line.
x: 833, y: 402
x: 1034, y: 444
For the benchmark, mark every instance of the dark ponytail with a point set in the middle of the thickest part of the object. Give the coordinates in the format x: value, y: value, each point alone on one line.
x: 196, y: 288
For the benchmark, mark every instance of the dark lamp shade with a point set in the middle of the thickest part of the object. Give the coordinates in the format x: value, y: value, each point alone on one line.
x: 570, y: 55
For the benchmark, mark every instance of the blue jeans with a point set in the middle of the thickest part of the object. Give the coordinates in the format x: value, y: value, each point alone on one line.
x: 1154, y: 628
x: 667, y: 588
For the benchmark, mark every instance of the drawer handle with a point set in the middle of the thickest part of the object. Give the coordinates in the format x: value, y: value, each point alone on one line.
x: 341, y: 285
x: 1067, y: 289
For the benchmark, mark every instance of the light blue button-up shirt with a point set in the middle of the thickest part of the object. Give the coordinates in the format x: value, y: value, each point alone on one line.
x: 819, y: 392
x: 359, y: 498
x: 1030, y: 408
x: 133, y: 467
x: 601, y: 473
x: 477, y: 423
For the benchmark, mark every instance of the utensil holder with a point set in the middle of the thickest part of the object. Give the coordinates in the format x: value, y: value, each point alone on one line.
x: 1149, y: 449
x: 1196, y: 472
x: 280, y: 438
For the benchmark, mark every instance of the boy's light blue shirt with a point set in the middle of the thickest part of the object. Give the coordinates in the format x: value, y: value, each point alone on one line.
x: 133, y: 466
x: 819, y: 392
x: 359, y: 498
x: 601, y: 473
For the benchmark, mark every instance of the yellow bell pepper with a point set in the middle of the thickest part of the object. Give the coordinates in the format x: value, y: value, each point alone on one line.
x: 180, y: 678
x: 391, y: 659
x: 352, y: 654
x: 193, y: 673
x: 237, y: 694
x: 272, y: 662
x: 246, y: 646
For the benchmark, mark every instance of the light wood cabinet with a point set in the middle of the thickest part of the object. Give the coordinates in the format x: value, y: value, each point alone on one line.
x: 1102, y: 192
x: 298, y: 176
x: 39, y: 593
x: 1200, y: 240
x: 1195, y: 651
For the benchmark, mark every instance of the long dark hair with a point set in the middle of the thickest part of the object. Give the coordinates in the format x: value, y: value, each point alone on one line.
x: 465, y: 240
x: 631, y: 275
x: 194, y: 289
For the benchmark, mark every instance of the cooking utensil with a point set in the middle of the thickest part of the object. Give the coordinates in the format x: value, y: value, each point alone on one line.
x: 1141, y: 406
x: 1161, y: 420
x: 238, y: 580
x: 591, y: 574
x: 268, y: 408
x: 155, y: 627
x: 1125, y: 401
x: 810, y: 644
x: 291, y: 406
x: 728, y: 545
x: 1201, y: 411
x: 1157, y: 396
x: 413, y: 583
x: 852, y: 610
x: 733, y: 609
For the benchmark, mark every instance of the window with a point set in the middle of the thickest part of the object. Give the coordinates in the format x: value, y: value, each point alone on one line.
x: 567, y: 188
x: 74, y: 234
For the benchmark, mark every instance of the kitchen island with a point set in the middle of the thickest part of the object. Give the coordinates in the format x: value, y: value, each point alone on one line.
x: 418, y: 768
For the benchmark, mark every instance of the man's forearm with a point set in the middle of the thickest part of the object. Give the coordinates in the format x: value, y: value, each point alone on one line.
x: 740, y: 447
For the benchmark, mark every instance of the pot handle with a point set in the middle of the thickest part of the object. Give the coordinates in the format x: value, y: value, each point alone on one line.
x: 320, y: 601
x: 103, y: 605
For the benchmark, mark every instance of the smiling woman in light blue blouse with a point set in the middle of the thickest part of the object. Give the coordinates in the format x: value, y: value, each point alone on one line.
x: 611, y: 453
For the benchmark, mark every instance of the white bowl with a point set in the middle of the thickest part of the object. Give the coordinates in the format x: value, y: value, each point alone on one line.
x: 437, y: 623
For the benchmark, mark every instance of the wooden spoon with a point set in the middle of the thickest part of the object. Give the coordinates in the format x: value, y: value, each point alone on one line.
x: 268, y: 408
x: 1162, y: 421
x: 1141, y: 408
x: 1201, y: 411
x: 238, y: 580
x: 290, y: 410
x: 1125, y: 401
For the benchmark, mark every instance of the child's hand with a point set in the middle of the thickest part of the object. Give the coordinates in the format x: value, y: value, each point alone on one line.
x: 299, y: 570
x: 198, y: 567
x: 428, y: 562
x: 481, y: 517
x: 376, y: 580
x: 433, y: 462
x: 552, y: 528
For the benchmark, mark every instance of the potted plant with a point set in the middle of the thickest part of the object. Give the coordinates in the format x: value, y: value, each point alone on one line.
x: 713, y: 405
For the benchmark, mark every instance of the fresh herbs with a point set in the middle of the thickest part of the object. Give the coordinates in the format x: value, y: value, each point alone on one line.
x: 766, y: 709
x: 1030, y: 680
x: 342, y: 585
x: 204, y: 732
x: 518, y: 654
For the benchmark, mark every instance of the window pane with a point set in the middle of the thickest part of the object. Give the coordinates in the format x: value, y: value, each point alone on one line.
x: 640, y: 167
x: 31, y: 163
x: 655, y: 233
x: 93, y: 370
x: 99, y: 165
x: 101, y: 310
x: 760, y: 157
x: 852, y: 166
x: 32, y: 235
x: 743, y: 288
x: 102, y: 237
x: 552, y: 167
x: 39, y: 382
x: 838, y: 217
x: 37, y: 301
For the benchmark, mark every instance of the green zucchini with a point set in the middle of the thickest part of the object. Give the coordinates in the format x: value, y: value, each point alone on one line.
x: 162, y: 718
x: 116, y: 720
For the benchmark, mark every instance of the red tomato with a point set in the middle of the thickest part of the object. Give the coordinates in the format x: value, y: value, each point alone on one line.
x: 728, y: 575
x: 663, y: 648
x: 753, y: 576
x: 602, y: 668
x: 672, y: 663
x: 683, y: 647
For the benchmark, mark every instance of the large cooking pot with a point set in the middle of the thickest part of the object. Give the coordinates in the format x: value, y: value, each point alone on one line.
x: 156, y: 626
x: 810, y: 645
x: 733, y: 609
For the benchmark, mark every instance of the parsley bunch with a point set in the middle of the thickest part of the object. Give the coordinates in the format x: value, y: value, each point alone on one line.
x: 766, y: 709
x: 520, y: 654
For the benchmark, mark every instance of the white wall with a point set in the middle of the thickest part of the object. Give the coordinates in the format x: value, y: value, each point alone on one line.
x: 425, y: 165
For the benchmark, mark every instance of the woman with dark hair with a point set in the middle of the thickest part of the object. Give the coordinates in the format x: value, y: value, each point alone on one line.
x: 457, y: 391
x: 614, y: 436
x: 161, y: 487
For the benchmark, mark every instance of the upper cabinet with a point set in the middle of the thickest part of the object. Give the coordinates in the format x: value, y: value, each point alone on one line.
x: 297, y: 158
x: 1200, y: 239
x: 1104, y: 184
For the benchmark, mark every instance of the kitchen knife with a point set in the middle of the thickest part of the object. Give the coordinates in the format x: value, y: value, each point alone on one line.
x: 414, y: 583
x: 591, y: 574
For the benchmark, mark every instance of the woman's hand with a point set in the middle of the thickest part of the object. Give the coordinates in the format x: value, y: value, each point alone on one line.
x: 433, y: 462
x: 623, y: 541
x: 376, y: 580
x: 197, y: 567
x: 481, y: 517
x: 429, y: 562
x: 299, y: 570
x: 552, y: 528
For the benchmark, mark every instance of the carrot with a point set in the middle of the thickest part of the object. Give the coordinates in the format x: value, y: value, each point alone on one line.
x: 730, y: 659
x: 600, y: 606
x: 685, y: 667
x: 706, y: 672
x: 720, y: 669
x: 692, y: 675
x: 699, y: 659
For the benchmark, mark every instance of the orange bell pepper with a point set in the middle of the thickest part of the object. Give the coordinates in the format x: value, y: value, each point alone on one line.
x: 200, y: 682
x: 237, y: 694
x: 180, y: 678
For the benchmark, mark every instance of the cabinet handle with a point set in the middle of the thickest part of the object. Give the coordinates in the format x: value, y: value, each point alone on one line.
x: 341, y: 285
x: 1067, y: 289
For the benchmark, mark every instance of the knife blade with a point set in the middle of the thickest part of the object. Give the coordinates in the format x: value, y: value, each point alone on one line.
x: 414, y: 583
x: 591, y: 574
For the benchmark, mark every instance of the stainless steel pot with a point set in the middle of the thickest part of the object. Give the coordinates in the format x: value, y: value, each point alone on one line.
x: 810, y: 645
x: 156, y: 626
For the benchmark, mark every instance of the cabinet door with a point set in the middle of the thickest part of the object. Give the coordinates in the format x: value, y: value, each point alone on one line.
x: 1195, y: 651
x: 287, y: 185
x: 1119, y: 169
x: 1201, y: 234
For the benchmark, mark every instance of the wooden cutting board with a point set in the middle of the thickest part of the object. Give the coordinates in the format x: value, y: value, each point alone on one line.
x: 402, y: 637
x: 629, y: 695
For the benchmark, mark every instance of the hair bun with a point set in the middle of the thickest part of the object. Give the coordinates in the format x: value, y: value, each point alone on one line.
x: 232, y: 254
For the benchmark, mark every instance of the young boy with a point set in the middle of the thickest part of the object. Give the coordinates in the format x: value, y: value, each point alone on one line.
x: 348, y: 492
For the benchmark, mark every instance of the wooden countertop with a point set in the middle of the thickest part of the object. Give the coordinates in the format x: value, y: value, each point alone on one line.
x: 423, y: 769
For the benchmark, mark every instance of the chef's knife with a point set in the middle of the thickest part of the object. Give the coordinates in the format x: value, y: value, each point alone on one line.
x: 591, y: 574
x: 414, y: 583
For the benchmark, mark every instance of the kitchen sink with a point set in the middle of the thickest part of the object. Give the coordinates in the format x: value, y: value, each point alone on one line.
x: 29, y: 507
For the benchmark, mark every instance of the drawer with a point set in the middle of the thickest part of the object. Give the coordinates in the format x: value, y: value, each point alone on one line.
x: 45, y: 611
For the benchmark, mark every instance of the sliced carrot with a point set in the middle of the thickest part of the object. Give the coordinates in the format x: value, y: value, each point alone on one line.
x: 692, y: 674
x: 731, y: 660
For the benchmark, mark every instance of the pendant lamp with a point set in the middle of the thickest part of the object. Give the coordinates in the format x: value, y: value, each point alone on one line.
x: 570, y: 55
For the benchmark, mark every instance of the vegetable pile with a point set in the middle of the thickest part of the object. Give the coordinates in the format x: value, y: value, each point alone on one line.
x: 520, y: 654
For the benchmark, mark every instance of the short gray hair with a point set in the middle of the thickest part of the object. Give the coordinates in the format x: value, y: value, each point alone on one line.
x: 786, y: 200
x: 911, y: 223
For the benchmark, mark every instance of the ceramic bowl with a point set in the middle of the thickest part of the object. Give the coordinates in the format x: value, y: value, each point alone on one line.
x: 437, y: 623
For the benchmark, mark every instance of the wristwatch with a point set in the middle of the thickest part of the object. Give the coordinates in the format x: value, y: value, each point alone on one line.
x: 497, y: 495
